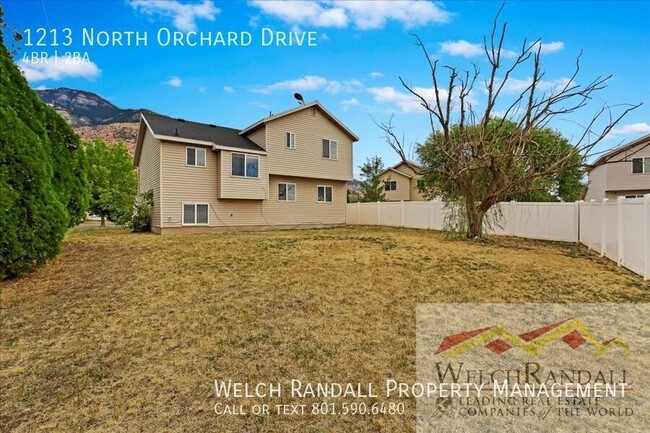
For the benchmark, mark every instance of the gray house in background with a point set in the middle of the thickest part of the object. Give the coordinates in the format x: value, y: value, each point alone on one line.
x: 623, y: 171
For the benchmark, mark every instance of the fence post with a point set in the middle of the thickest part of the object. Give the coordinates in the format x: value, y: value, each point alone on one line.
x: 603, y: 228
x: 402, y: 206
x: 378, y: 212
x: 579, y: 207
x: 358, y: 212
x: 619, y: 229
x: 431, y: 219
x: 591, y: 218
x: 646, y: 249
x: 511, y: 218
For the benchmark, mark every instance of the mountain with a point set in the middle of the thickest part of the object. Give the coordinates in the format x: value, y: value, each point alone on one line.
x: 127, y: 133
x: 81, y: 108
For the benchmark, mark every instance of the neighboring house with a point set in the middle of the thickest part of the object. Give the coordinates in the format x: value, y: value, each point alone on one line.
x: 287, y: 170
x: 623, y: 171
x: 400, y: 183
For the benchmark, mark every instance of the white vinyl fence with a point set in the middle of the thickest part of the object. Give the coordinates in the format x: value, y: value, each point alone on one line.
x: 617, y: 229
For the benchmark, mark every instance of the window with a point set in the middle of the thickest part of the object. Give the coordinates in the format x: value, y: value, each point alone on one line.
x: 195, y: 157
x: 195, y: 214
x: 245, y: 165
x: 324, y: 194
x: 286, y: 191
x: 390, y: 185
x: 641, y: 165
x: 330, y: 149
x: 634, y: 196
x: 291, y: 140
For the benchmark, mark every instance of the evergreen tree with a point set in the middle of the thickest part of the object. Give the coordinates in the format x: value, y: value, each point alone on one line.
x: 372, y: 189
x: 43, y: 187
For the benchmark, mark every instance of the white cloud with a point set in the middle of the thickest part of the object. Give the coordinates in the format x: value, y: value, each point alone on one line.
x: 41, y: 88
x: 175, y: 82
x: 408, y: 103
x: 183, y: 15
x: 640, y: 128
x: 312, y: 82
x: 228, y: 89
x: 466, y: 49
x: 376, y: 74
x: 58, y: 68
x: 549, y: 48
x: 515, y: 85
x: 347, y: 103
x: 362, y: 14
x: 304, y: 12
x: 201, y: 89
x: 461, y: 48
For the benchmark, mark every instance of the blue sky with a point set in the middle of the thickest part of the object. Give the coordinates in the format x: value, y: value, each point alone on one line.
x: 362, y: 49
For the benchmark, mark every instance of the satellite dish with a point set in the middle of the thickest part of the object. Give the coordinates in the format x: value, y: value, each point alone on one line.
x: 299, y: 98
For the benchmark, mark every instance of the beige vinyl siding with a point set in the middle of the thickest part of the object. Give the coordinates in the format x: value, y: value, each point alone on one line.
x: 415, y: 192
x: 597, y: 183
x: 306, y: 159
x: 183, y: 184
x: 258, y: 137
x: 403, y: 191
x: 237, y: 187
x: 619, y: 174
x: 149, y: 173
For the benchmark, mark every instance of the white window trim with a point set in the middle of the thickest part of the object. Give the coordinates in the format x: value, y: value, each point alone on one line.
x: 246, y: 156
x: 642, y: 158
x: 293, y: 134
x: 325, y: 194
x: 183, y: 223
x: 205, y: 157
x: 337, y: 149
x: 295, y: 194
x: 387, y: 182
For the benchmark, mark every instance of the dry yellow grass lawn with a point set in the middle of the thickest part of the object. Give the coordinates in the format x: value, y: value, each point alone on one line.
x: 127, y: 332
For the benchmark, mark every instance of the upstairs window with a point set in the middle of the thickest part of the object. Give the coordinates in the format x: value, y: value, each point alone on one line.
x: 641, y: 165
x: 324, y: 194
x: 286, y: 191
x: 330, y: 149
x: 290, y: 141
x: 245, y: 165
x: 195, y: 157
x: 390, y: 185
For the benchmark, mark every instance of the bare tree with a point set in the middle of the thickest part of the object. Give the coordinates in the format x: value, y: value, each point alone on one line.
x: 483, y: 158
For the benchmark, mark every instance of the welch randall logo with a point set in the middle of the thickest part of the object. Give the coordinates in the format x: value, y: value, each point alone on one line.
x: 497, y: 339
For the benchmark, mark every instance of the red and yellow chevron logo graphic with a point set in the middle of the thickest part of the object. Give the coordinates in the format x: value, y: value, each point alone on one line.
x: 496, y: 339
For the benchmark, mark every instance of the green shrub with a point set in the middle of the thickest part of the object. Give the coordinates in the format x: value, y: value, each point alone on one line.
x: 141, y: 220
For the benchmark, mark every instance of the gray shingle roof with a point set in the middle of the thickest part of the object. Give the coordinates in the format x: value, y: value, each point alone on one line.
x: 219, y: 135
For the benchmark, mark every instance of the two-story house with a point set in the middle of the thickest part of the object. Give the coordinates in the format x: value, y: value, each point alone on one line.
x: 400, y: 182
x: 287, y: 170
x: 623, y: 171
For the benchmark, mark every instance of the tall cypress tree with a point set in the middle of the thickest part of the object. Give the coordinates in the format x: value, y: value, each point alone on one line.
x: 43, y: 182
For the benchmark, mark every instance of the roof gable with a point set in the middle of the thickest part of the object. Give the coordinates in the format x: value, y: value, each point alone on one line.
x: 613, y: 152
x: 316, y: 104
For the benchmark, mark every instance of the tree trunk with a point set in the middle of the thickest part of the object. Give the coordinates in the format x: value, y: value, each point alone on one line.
x: 475, y: 221
x: 103, y: 223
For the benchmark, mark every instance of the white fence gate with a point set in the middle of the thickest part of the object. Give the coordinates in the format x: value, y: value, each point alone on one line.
x: 619, y: 230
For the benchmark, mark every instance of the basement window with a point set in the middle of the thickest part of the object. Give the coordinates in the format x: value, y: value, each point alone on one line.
x: 286, y: 191
x: 194, y: 157
x: 324, y: 194
x: 195, y: 214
